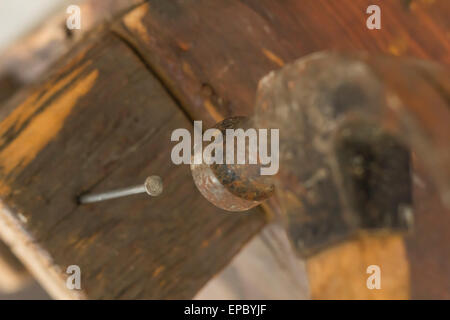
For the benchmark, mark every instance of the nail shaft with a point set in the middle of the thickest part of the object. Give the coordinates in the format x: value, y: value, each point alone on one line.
x: 152, y: 186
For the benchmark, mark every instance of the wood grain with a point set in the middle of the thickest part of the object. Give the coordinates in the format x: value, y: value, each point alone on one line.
x: 105, y: 122
x: 121, y: 97
x: 212, y: 54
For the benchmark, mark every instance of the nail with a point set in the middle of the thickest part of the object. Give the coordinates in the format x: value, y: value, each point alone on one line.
x: 153, y: 186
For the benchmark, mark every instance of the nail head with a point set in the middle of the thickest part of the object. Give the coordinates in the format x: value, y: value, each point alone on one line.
x: 154, y: 186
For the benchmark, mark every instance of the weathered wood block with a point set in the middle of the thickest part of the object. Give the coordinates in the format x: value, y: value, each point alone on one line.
x: 103, y: 122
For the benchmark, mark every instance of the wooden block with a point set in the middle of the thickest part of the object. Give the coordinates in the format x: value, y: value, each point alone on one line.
x: 105, y: 122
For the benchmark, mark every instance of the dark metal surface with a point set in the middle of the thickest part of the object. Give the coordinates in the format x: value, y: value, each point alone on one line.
x: 242, y: 180
x: 216, y: 193
x: 232, y: 187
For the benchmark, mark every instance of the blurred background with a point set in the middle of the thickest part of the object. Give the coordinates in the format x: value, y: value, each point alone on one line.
x: 17, y: 19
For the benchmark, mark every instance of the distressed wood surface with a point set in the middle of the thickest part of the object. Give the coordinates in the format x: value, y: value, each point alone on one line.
x: 101, y: 123
x: 212, y: 54
x: 82, y: 129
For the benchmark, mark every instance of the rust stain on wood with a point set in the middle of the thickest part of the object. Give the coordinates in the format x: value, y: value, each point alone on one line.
x: 399, y: 46
x: 213, y: 111
x: 415, y: 5
x: 158, y: 271
x: 188, y: 70
x: 183, y: 45
x: 273, y: 57
x: 44, y: 126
